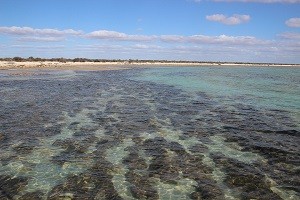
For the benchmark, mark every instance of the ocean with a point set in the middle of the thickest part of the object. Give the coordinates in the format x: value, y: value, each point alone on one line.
x: 151, y: 133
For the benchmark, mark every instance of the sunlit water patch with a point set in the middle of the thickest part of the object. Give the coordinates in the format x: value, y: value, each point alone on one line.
x: 164, y: 133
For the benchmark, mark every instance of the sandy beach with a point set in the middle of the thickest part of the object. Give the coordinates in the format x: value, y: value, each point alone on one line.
x: 47, y: 65
x: 96, y: 66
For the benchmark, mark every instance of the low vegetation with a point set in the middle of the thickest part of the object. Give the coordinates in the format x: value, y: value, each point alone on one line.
x: 129, y: 61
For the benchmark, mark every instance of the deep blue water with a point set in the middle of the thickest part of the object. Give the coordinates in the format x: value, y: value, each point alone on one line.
x: 159, y: 133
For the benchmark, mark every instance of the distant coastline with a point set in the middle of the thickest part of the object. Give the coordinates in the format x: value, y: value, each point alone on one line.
x: 113, y: 64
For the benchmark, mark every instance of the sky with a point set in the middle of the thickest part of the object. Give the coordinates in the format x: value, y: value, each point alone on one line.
x: 198, y: 30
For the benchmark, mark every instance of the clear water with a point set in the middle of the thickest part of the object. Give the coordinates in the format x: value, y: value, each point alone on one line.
x: 265, y: 87
x: 159, y: 133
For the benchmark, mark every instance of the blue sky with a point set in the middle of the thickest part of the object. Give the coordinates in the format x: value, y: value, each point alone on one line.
x: 206, y: 30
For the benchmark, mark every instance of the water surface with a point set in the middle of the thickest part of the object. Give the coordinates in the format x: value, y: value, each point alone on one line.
x: 162, y: 133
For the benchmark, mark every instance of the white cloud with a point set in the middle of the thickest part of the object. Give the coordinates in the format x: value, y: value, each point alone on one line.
x: 113, y: 35
x: 141, y: 46
x: 174, y: 38
x: 290, y: 36
x: 222, y: 39
x: 233, y: 20
x: 51, y: 47
x: 260, y: 1
x: 144, y: 46
x: 293, y: 22
x: 41, y: 39
x: 14, y: 30
x: 250, y: 1
x: 28, y: 34
x: 196, y: 1
x: 197, y: 39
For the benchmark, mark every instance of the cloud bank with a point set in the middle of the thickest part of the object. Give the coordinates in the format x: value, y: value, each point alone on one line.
x: 113, y: 35
x: 196, y: 1
x: 193, y: 39
x: 221, y: 40
x: 27, y: 42
x: 14, y: 30
x: 39, y: 35
x: 290, y: 36
x: 233, y: 20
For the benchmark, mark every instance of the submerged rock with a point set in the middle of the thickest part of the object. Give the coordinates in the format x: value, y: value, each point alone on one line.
x: 141, y: 186
x: 2, y: 137
x: 246, y: 178
x: 10, y: 186
x: 24, y: 148
x: 133, y: 161
x: 207, y: 189
x: 32, y: 196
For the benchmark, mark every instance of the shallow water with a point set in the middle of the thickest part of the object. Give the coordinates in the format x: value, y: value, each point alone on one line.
x: 163, y: 133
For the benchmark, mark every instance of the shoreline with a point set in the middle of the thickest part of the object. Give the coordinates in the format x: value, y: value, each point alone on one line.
x: 100, y: 66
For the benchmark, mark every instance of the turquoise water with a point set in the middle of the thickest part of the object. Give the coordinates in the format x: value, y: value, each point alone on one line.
x: 157, y: 133
x: 266, y: 87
